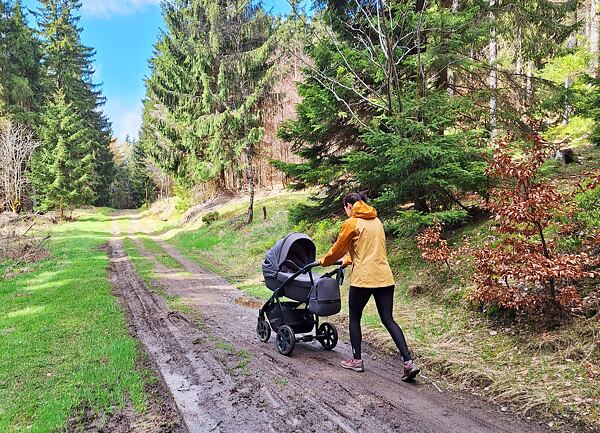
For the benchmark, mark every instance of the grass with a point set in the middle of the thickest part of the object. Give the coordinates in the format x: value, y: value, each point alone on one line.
x: 281, y: 381
x: 143, y: 265
x: 235, y: 361
x: 548, y: 372
x: 145, y: 269
x: 576, y: 132
x: 235, y: 250
x: 64, y: 340
x: 565, y: 176
x: 162, y: 257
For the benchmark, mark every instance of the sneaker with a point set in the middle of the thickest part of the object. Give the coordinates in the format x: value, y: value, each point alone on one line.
x: 410, y: 371
x: 353, y: 364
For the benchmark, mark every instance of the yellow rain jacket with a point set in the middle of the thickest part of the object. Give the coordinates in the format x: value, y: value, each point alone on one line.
x: 363, y: 237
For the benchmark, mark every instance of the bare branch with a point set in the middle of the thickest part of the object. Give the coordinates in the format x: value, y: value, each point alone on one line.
x: 17, y: 144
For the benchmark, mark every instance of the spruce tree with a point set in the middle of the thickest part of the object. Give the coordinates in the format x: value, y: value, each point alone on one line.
x: 174, y: 94
x: 376, y: 112
x: 143, y: 189
x: 62, y: 171
x: 245, y: 40
x: 379, y: 109
x: 21, y: 89
x: 211, y: 70
x: 3, y: 53
x: 69, y: 67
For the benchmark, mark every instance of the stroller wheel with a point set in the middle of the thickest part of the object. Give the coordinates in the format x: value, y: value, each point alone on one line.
x: 286, y: 340
x: 263, y: 330
x: 327, y: 335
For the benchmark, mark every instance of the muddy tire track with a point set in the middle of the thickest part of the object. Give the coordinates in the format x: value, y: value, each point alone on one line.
x: 305, y: 392
x: 210, y: 395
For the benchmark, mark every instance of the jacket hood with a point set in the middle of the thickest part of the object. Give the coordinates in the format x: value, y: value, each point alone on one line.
x: 362, y: 210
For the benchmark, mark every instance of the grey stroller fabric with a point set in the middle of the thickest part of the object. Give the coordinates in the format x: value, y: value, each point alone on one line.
x: 287, y: 256
x: 324, y: 297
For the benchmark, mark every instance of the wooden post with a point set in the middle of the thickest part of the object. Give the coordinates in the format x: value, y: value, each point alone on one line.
x: 264, y: 213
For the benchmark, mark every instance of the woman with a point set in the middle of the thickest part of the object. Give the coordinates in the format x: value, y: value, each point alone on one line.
x: 361, y: 242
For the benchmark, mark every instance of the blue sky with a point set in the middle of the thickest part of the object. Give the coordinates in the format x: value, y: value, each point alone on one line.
x: 123, y: 33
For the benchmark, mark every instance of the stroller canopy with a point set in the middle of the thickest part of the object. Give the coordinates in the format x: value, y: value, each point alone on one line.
x: 296, y: 250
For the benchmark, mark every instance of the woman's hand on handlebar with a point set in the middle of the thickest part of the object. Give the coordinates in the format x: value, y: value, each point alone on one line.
x: 342, y: 264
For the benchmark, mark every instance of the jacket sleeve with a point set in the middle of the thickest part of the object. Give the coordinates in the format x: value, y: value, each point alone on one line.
x: 342, y: 245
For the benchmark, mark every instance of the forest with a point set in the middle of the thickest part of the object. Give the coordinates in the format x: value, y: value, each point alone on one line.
x: 431, y: 107
x: 473, y: 126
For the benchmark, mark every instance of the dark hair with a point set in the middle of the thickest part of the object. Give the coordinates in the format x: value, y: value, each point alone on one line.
x: 353, y: 197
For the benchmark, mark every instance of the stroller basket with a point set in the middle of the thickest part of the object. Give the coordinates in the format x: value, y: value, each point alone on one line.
x: 300, y: 319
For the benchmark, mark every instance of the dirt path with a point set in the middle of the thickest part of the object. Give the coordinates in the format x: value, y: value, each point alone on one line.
x: 224, y: 379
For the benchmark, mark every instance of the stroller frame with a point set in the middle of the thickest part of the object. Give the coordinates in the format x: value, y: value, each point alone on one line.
x: 274, y: 314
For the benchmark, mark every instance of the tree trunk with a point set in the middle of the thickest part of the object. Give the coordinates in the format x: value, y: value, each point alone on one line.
x: 393, y: 83
x: 449, y: 71
x: 572, y: 40
x: 594, y: 37
x: 442, y: 80
x: 529, y: 82
x: 571, y: 44
x: 420, y: 47
x: 519, y: 67
x: 250, y: 183
x: 567, y: 111
x: 519, y: 51
x: 493, y: 79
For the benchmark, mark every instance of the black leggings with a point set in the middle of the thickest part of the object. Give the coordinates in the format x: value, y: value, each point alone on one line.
x: 384, y: 299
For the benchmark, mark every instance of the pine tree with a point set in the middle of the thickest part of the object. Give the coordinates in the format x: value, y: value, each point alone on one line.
x: 376, y: 112
x: 174, y: 94
x: 210, y: 72
x: 69, y: 66
x: 21, y: 89
x: 63, y: 170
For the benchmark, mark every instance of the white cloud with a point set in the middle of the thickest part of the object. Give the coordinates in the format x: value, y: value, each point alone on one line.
x: 126, y: 119
x: 108, y: 8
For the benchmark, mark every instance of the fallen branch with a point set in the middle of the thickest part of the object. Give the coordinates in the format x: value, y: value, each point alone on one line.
x: 432, y: 382
x: 28, y: 228
x: 30, y: 251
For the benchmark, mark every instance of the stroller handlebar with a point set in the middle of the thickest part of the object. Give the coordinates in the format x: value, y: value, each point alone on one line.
x: 308, y: 267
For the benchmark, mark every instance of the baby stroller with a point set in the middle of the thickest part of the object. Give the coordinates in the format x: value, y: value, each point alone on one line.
x: 287, y: 270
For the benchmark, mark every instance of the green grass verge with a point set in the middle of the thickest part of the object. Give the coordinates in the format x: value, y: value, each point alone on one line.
x: 145, y: 269
x: 161, y: 256
x: 234, y: 250
x: 64, y: 339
